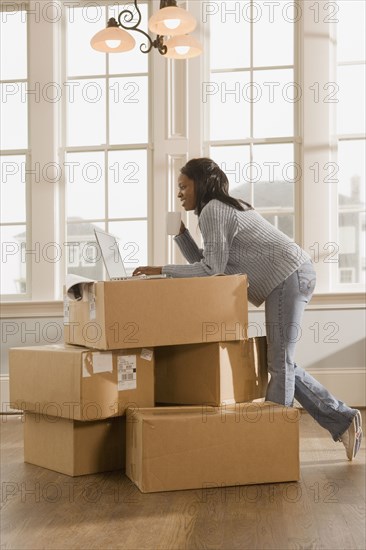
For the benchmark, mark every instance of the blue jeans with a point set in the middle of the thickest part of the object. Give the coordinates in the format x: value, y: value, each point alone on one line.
x: 284, y: 309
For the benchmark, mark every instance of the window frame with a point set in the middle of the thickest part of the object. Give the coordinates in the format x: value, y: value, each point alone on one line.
x: 18, y: 297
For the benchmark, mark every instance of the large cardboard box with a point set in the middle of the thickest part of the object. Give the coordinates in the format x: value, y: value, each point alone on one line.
x: 158, y: 312
x: 168, y: 449
x: 215, y: 373
x: 72, y: 447
x: 80, y: 383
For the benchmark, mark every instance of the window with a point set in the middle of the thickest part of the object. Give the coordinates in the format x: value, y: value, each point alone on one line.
x: 14, y: 149
x: 351, y: 132
x: 106, y: 152
x: 252, y: 103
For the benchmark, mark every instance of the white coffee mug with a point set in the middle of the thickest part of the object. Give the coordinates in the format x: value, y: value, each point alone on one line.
x: 173, y: 221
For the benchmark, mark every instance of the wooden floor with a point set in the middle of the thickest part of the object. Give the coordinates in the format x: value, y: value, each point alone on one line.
x: 326, y: 509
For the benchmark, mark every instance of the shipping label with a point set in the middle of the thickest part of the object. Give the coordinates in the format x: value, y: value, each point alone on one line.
x: 66, y: 311
x: 102, y: 362
x: 126, y: 367
x: 92, y: 306
x: 146, y: 354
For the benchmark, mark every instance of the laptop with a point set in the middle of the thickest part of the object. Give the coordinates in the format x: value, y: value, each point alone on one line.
x: 113, y: 260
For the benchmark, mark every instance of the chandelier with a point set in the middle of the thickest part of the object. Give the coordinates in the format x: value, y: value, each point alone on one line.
x: 171, y: 25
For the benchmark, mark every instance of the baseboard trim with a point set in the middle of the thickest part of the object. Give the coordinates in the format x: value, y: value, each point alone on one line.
x: 346, y: 384
x: 5, y: 394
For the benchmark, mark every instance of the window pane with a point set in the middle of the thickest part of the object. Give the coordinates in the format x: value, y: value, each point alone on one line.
x: 132, y: 242
x: 351, y: 94
x: 351, y: 30
x: 273, y: 33
x: 275, y: 162
x: 351, y: 219
x: 274, y: 173
x: 86, y: 112
x: 229, y: 96
x: 82, y: 25
x: 229, y: 31
x: 133, y: 61
x: 235, y: 162
x: 274, y: 96
x: 13, y: 51
x: 127, y: 184
x: 286, y: 225
x: 13, y: 266
x: 14, y: 121
x: 82, y: 252
x: 351, y: 264
x: 12, y: 189
x: 351, y: 175
x: 85, y: 185
x: 271, y: 218
x: 128, y: 117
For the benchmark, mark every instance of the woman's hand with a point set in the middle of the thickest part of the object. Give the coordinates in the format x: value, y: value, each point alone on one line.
x: 182, y: 228
x: 147, y: 270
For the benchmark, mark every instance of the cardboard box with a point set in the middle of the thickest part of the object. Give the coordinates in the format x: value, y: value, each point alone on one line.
x: 168, y: 449
x: 75, y: 448
x: 158, y: 312
x: 216, y: 373
x: 79, y: 383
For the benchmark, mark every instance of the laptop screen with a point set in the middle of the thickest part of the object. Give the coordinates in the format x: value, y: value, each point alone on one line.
x: 111, y: 255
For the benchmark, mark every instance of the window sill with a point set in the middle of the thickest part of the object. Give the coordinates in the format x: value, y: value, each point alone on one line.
x: 15, y: 310
x: 55, y: 308
x: 339, y: 300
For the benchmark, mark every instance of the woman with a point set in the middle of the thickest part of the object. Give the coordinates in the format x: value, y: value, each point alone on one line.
x: 239, y: 240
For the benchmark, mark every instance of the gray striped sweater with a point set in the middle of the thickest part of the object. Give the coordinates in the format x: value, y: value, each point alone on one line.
x: 239, y: 242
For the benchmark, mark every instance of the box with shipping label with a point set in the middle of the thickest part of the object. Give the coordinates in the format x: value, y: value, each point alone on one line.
x: 247, y: 443
x: 72, y: 447
x: 80, y: 383
x: 214, y: 373
x: 158, y: 312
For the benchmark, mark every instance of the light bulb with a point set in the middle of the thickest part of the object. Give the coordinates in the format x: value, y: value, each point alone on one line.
x: 183, y: 47
x: 172, y: 23
x: 182, y: 50
x: 113, y: 43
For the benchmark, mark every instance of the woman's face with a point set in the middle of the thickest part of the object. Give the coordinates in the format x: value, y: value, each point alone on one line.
x: 187, y: 192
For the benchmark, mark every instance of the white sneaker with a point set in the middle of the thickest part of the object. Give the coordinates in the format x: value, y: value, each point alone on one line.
x: 352, y: 437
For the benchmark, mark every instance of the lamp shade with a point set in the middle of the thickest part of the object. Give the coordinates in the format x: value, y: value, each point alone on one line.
x: 172, y: 21
x: 183, y: 47
x: 112, y: 40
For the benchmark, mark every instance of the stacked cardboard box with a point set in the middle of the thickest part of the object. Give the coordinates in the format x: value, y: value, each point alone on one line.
x: 215, y: 447
x: 78, y: 383
x: 215, y: 373
x: 192, y: 334
x: 158, y: 312
x: 75, y: 400
x: 72, y: 447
